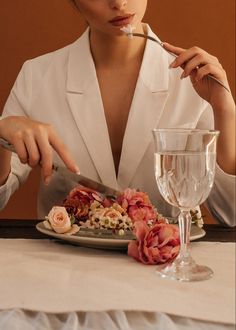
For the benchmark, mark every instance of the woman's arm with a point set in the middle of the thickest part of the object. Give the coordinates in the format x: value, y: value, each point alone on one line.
x: 5, y: 166
x: 220, y: 99
x: 224, y: 116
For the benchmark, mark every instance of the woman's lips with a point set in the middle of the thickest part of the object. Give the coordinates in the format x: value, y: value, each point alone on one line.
x: 122, y: 20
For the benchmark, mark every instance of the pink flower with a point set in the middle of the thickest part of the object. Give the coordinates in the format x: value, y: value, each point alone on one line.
x: 112, y: 214
x: 79, y: 200
x: 76, y: 207
x: 141, y: 213
x: 84, y: 194
x: 59, y: 219
x: 138, y: 205
x: 154, y: 245
x: 133, y: 197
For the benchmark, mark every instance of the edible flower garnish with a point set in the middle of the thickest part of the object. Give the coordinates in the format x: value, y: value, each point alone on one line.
x: 113, y: 217
x: 60, y: 221
x: 155, y: 240
x: 128, y: 29
x: 156, y: 244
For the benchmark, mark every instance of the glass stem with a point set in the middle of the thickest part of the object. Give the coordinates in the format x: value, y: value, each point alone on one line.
x: 184, y: 232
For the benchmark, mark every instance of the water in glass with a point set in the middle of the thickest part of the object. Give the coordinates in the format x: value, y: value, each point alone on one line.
x: 184, y: 168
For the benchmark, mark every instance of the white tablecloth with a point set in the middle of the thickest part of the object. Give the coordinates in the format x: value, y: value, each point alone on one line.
x: 117, y: 320
x: 93, y: 285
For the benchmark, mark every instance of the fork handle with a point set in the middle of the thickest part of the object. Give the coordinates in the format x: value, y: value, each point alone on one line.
x: 174, y: 55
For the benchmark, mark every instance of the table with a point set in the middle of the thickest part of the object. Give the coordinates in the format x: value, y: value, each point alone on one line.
x: 14, y: 228
x: 19, y: 232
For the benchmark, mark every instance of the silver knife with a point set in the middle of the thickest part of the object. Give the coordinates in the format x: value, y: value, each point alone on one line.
x: 85, y: 181
x: 7, y: 145
x: 75, y: 177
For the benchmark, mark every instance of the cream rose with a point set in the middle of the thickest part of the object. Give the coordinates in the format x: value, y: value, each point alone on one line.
x: 59, y: 219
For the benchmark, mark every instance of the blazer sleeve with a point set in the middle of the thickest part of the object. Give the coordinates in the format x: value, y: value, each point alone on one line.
x: 221, y: 201
x: 18, y: 104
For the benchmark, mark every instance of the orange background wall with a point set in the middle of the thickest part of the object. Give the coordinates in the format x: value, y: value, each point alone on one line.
x: 29, y: 28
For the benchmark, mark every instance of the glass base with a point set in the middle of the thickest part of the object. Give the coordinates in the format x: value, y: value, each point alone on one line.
x: 185, y: 271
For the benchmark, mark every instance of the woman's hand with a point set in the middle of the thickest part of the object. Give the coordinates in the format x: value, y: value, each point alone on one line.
x: 33, y: 142
x: 197, y: 64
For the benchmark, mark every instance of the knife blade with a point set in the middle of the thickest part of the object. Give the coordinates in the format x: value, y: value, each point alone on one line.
x: 75, y: 177
x: 85, y: 181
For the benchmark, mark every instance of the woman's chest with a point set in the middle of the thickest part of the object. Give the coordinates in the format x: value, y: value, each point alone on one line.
x: 117, y: 92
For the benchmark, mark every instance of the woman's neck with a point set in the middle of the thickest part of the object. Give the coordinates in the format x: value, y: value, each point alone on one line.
x: 115, y: 51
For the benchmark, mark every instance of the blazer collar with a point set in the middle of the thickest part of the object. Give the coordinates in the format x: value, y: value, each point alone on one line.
x: 155, y: 63
x: 147, y: 106
x: 84, y: 98
x: 81, y: 70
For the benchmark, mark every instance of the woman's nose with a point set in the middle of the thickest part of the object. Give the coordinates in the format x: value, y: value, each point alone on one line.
x: 118, y: 4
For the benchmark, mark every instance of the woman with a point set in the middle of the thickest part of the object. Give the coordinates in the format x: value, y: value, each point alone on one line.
x: 92, y: 105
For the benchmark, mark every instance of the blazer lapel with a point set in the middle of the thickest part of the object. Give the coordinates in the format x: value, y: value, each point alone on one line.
x: 85, y: 101
x: 147, y: 106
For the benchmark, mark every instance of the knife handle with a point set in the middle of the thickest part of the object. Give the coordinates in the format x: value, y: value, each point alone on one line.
x: 7, y: 145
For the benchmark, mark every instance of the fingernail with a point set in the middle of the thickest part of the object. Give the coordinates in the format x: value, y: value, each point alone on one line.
x: 47, y: 180
x: 24, y: 160
x: 77, y: 170
x: 172, y: 65
x: 183, y: 75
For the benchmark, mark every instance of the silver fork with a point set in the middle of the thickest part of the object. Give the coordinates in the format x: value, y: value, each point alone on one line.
x: 174, y: 55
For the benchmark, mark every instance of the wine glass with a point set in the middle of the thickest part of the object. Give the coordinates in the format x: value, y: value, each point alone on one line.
x: 184, y: 168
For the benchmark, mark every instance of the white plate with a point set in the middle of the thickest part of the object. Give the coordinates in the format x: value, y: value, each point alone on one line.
x: 104, y: 242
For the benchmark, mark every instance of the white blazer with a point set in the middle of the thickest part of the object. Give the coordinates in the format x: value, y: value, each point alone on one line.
x: 61, y: 88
